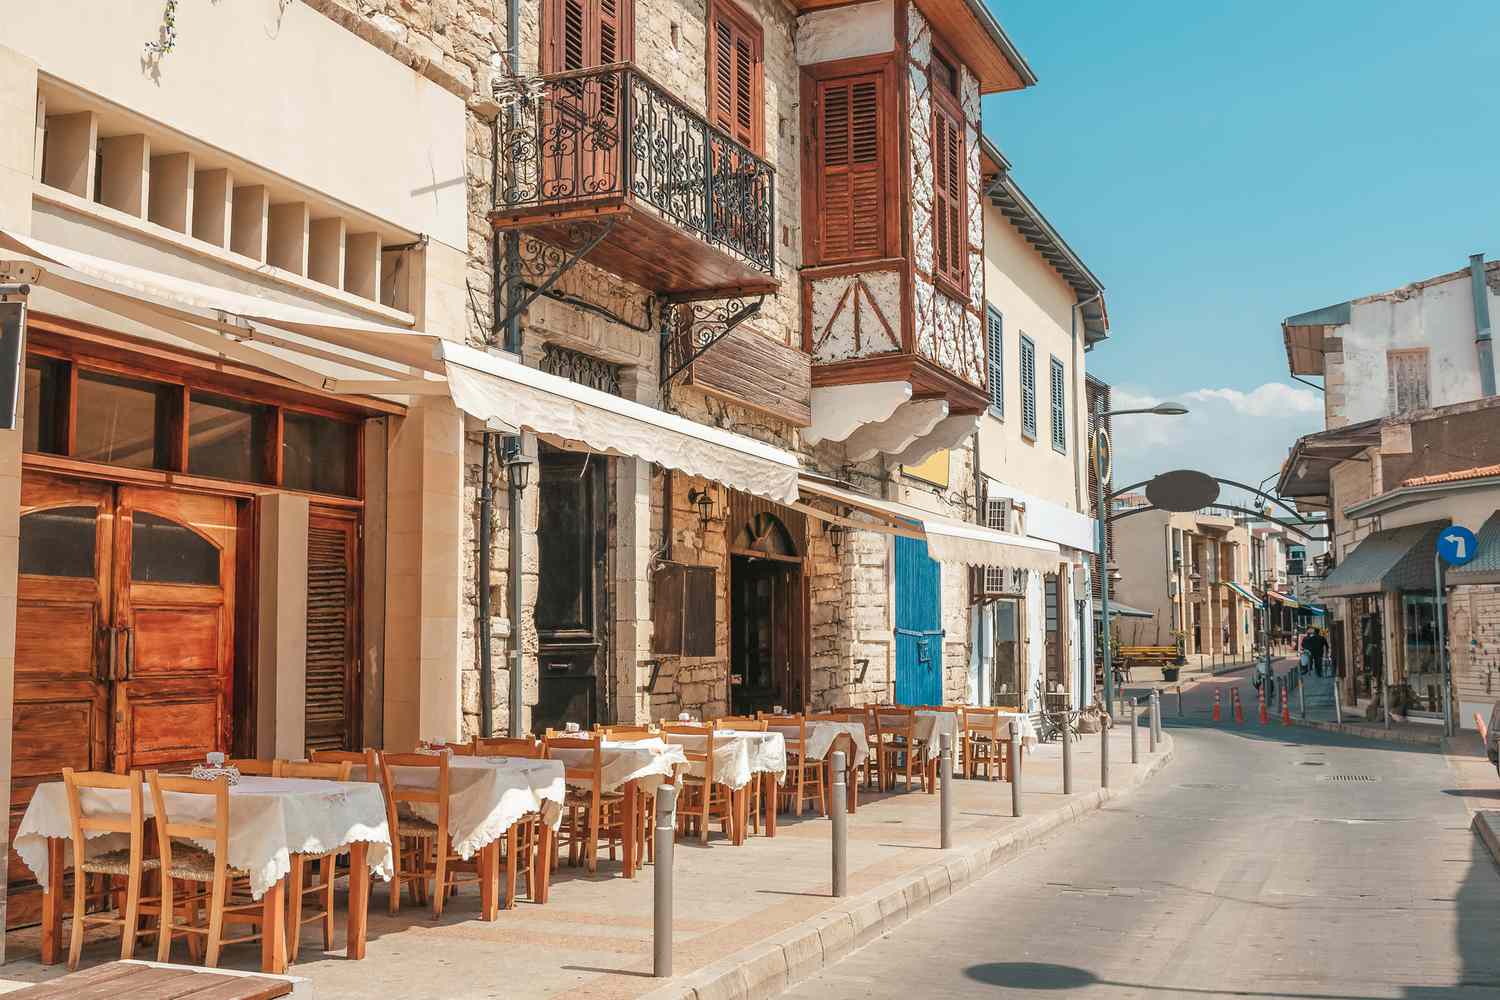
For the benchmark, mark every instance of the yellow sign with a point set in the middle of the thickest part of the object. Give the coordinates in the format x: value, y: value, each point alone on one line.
x: 934, y: 470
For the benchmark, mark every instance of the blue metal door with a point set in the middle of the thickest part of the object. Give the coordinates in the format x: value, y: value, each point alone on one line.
x: 919, y: 625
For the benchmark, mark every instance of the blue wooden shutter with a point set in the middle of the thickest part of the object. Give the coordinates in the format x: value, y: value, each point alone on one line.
x: 919, y: 625
x: 1059, y: 407
x: 1028, y: 387
x: 994, y: 328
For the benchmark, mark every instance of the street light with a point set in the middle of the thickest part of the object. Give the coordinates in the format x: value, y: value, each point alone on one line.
x: 1102, y: 461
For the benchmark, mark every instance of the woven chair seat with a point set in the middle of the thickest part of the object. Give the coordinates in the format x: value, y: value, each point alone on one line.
x: 197, y: 865
x: 415, y: 826
x: 117, y: 863
x: 581, y: 799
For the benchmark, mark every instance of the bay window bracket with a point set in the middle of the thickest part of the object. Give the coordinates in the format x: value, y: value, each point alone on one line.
x: 538, y: 265
x: 690, y: 328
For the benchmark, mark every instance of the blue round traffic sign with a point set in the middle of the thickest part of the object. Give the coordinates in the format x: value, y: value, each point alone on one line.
x: 1457, y: 545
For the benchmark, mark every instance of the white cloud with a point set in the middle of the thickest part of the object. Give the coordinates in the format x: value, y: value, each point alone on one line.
x: 1231, y: 433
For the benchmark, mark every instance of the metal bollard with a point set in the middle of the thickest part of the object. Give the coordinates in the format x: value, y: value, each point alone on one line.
x: 1067, y: 748
x: 840, y: 805
x: 1103, y: 755
x: 1015, y: 769
x: 945, y: 791
x: 1135, y: 747
x: 1302, y: 695
x: 1179, y: 701
x: 661, y: 911
x: 1151, y: 726
x: 1156, y: 713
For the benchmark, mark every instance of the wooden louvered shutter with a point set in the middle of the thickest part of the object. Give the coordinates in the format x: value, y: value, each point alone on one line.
x: 950, y: 237
x: 851, y: 169
x: 995, y: 350
x: 579, y: 34
x: 735, y: 81
x: 332, y: 684
x: 1028, y: 388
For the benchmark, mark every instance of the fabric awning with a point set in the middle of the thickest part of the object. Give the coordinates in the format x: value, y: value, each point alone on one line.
x: 1281, y: 598
x: 1485, y: 566
x: 510, y: 397
x: 1123, y: 611
x: 948, y: 540
x: 1392, y: 560
x: 1244, y: 592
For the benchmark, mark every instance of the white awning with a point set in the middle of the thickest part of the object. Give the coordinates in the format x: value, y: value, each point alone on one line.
x: 512, y: 397
x: 948, y: 540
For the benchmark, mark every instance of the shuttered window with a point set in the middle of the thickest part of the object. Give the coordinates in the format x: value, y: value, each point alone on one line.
x: 1406, y: 380
x: 684, y: 610
x: 578, y: 34
x: 1059, y: 407
x: 850, y: 173
x: 735, y: 74
x: 950, y: 238
x: 995, y: 358
x: 332, y: 685
x: 1028, y: 388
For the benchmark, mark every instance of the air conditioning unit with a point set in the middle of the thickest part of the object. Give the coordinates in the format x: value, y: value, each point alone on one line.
x: 1171, y: 588
x: 999, y: 513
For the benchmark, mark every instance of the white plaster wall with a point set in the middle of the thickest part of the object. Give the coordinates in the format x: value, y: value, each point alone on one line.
x: 1033, y: 300
x: 1046, y: 519
x: 1035, y: 630
x: 846, y: 32
x: 1470, y: 510
x: 1438, y: 316
x: 287, y: 89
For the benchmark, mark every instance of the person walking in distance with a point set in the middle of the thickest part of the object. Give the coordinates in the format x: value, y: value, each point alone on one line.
x: 1315, y: 646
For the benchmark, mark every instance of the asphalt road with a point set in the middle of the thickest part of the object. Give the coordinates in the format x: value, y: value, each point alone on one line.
x: 1260, y: 863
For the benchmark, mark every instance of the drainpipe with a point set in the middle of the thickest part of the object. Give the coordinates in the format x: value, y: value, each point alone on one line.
x: 1482, y: 342
x: 486, y: 511
x: 517, y: 650
x: 1078, y: 442
x: 513, y: 343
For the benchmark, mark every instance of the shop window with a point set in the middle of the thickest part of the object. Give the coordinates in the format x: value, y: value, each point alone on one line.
x: 59, y: 542
x: 123, y: 421
x: 45, y: 417
x: 319, y: 454
x: 163, y: 551
x: 227, y: 438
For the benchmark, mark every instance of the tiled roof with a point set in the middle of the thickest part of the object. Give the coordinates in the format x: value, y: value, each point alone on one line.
x: 1486, y: 562
x: 1478, y: 472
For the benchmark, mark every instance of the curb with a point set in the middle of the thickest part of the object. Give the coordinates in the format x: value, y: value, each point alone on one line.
x: 774, y: 965
x: 1373, y: 732
x: 1486, y: 827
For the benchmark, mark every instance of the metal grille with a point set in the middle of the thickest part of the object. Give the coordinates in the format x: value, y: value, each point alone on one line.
x: 1347, y: 777
x: 585, y: 369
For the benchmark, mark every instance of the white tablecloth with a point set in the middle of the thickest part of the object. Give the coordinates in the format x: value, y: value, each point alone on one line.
x: 648, y: 762
x: 738, y: 756
x: 821, y: 735
x: 487, y: 795
x: 928, y: 727
x: 269, y: 820
x: 1028, y: 728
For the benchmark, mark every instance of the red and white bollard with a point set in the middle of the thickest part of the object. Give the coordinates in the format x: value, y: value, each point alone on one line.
x: 1286, y: 715
x: 1239, y: 707
x: 1217, y: 715
x: 1264, y: 717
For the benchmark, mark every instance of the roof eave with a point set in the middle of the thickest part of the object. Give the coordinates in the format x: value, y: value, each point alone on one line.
x: 1002, y: 41
x: 1403, y: 497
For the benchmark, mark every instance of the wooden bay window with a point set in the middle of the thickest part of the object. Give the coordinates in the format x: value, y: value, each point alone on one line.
x: 849, y: 161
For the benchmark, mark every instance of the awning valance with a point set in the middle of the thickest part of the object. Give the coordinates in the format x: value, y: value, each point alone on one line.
x: 1244, y: 592
x: 1122, y: 611
x: 1392, y: 560
x: 948, y: 539
x: 511, y: 397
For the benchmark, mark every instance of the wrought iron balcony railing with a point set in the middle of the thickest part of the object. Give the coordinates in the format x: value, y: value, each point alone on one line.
x: 592, y: 137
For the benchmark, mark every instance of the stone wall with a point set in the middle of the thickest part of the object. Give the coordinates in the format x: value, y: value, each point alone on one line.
x: 1474, y: 647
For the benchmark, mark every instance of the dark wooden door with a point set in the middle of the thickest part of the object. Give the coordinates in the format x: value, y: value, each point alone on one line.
x: 581, y: 119
x: 332, y: 699
x: 173, y: 610
x: 766, y: 612
x: 63, y: 633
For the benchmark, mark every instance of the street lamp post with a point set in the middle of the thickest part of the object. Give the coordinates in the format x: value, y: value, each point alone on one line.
x: 1101, y: 476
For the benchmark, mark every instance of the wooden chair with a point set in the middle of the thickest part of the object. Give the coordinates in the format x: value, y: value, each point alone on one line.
x: 129, y: 863
x: 253, y: 766
x: 702, y: 799
x: 743, y: 723
x: 897, y: 744
x: 423, y: 849
x: 804, y: 777
x: 586, y: 804
x: 855, y: 769
x: 523, y: 838
x: 505, y: 746
x: 746, y: 724
x: 629, y: 732
x: 986, y: 740
x: 209, y: 871
x: 354, y: 758
x: 298, y: 888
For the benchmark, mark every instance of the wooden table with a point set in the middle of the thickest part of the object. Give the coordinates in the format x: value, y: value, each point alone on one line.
x: 141, y: 981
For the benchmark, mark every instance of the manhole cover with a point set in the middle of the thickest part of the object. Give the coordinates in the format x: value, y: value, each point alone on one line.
x: 1347, y: 777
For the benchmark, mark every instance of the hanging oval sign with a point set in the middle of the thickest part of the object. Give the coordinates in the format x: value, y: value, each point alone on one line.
x: 1104, y: 457
x: 1182, y: 490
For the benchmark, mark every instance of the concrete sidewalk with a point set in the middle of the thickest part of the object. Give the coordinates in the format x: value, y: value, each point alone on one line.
x: 748, y: 919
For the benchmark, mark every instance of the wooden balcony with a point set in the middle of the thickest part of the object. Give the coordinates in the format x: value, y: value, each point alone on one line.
x: 693, y: 212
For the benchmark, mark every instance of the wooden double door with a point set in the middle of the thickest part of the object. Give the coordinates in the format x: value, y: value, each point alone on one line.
x: 124, y: 630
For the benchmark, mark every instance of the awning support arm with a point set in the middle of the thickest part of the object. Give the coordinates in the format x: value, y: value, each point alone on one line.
x: 705, y: 326
x: 561, y: 262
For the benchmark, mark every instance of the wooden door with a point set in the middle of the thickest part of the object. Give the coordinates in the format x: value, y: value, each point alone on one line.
x: 919, y: 625
x: 332, y: 688
x: 63, y: 632
x: 173, y: 609
x: 581, y: 120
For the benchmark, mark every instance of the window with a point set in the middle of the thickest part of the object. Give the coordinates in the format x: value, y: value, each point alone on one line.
x: 950, y: 235
x: 226, y: 438
x: 736, y: 74
x: 1059, y: 407
x: 1028, y: 388
x: 995, y: 359
x: 44, y: 419
x: 1406, y: 380
x: 123, y: 421
x: 318, y: 455
x: 578, y: 34
x: 847, y: 216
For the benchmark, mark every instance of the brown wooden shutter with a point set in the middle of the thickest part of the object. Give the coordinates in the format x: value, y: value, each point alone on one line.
x: 735, y: 74
x: 579, y: 34
x: 851, y: 208
x: 684, y: 610
x: 332, y: 685
x: 949, y: 233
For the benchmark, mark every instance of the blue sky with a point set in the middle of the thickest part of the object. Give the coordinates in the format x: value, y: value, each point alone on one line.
x: 1222, y: 165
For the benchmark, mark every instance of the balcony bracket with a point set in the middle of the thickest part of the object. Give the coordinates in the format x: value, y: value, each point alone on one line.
x: 690, y: 328
x: 540, y: 264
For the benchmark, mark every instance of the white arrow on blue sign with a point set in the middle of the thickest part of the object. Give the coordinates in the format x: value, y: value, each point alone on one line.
x: 1457, y: 545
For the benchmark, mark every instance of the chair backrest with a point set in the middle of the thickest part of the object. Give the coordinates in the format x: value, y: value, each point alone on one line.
x: 742, y: 723
x: 215, y: 831
x: 131, y: 822
x: 696, y: 731
x: 253, y: 766
x: 505, y: 746
x: 983, y: 721
x: 586, y: 772
x: 895, y: 720
x: 397, y: 793
x: 324, y: 770
x: 355, y: 758
x: 628, y: 732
